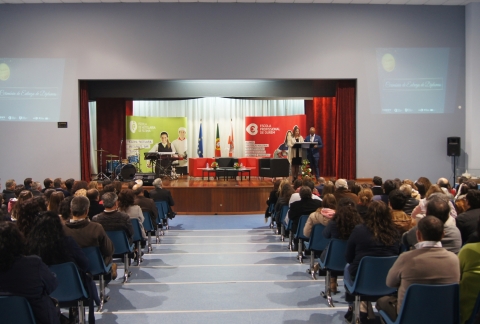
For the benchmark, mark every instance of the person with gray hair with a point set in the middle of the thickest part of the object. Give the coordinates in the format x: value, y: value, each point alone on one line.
x: 113, y: 220
x: 87, y: 233
x: 438, y: 206
x: 35, y: 188
x: 9, y: 191
x: 161, y: 194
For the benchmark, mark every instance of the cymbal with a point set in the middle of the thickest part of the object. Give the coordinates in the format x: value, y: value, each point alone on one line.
x: 101, y: 150
x: 111, y: 155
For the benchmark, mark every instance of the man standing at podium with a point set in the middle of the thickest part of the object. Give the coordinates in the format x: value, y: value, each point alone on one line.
x: 313, y: 154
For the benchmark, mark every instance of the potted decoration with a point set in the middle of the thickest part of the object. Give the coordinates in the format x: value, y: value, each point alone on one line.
x: 214, y: 165
x: 236, y: 166
x: 306, y: 171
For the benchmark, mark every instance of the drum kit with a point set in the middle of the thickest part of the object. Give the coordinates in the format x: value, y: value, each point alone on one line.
x: 123, y: 169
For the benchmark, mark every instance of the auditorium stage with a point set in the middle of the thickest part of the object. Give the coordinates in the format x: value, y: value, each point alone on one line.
x: 197, y: 196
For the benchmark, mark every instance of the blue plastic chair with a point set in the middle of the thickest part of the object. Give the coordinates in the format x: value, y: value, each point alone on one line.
x: 70, y: 290
x: 475, y: 311
x: 370, y: 281
x: 148, y: 227
x: 271, y: 210
x: 283, y: 214
x: 137, y: 239
x: 290, y: 234
x: 299, y: 235
x: 428, y: 304
x: 317, y: 243
x: 16, y: 309
x: 334, y: 261
x: 122, y: 246
x: 97, y: 267
x: 162, y: 208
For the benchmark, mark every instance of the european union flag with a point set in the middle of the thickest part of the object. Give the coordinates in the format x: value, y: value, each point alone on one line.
x: 200, y: 143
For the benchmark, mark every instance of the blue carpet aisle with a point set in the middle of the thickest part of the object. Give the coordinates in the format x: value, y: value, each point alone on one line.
x: 220, y: 269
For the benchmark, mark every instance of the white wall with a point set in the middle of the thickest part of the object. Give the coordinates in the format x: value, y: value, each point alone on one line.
x: 472, y: 38
x: 233, y: 41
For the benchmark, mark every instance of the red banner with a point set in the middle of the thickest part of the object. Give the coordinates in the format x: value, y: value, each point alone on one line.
x: 265, y: 136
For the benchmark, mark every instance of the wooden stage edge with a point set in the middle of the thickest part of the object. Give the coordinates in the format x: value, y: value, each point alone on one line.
x: 194, y: 196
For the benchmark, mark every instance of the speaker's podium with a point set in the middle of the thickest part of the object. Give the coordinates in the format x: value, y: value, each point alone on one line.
x: 302, y: 147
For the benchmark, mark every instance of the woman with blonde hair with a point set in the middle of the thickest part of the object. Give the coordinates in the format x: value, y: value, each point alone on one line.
x: 294, y: 159
x: 93, y: 185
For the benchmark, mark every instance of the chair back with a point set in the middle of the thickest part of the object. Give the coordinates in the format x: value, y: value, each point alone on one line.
x: 137, y: 230
x: 301, y: 224
x: 120, y: 242
x: 430, y: 304
x: 283, y: 214
x: 335, y: 256
x: 162, y: 208
x: 147, y: 222
x: 271, y: 209
x: 96, y: 265
x: 372, y: 276
x: 317, y: 241
x: 16, y: 309
x: 70, y: 286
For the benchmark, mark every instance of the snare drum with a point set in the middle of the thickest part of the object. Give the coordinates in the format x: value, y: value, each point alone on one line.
x: 112, y: 165
x: 127, y: 172
x: 133, y: 159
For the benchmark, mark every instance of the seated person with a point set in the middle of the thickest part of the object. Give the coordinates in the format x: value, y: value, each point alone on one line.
x: 113, y: 220
x: 126, y: 204
x: 146, y: 204
x: 87, y: 233
x: 438, y: 206
x: 322, y: 215
x: 388, y: 186
x: 341, y: 191
x: 377, y: 237
x: 26, y: 276
x: 160, y: 194
x: 470, y: 279
x: 95, y: 207
x: 272, y: 198
x: 48, y: 241
x: 305, y: 206
x: 397, y: 200
x: 467, y: 221
x: 285, y: 191
x: 411, y: 201
x: 429, y: 264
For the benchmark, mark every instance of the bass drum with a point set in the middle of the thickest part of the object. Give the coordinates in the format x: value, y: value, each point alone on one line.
x: 127, y: 172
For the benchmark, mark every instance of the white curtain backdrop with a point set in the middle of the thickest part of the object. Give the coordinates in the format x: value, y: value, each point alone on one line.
x: 92, y: 111
x: 227, y: 113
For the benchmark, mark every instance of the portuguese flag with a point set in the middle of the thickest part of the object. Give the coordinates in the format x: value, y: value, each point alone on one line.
x: 217, y: 144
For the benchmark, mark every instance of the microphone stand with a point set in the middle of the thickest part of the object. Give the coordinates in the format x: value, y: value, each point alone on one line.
x: 121, y: 162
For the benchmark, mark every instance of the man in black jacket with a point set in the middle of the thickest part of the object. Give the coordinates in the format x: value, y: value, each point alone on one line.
x: 160, y: 194
x: 9, y: 191
x: 113, y: 220
x: 377, y: 186
x: 305, y: 206
x: 467, y: 221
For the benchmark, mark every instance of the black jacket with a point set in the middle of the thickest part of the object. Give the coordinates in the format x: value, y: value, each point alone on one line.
x: 410, y: 205
x: 302, y: 207
x: 115, y: 221
x: 95, y: 208
x: 162, y: 195
x: 467, y: 223
x: 7, y: 195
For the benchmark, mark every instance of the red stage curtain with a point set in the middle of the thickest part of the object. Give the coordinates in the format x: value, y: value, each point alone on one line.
x: 346, y: 162
x: 85, y: 170
x: 335, y: 121
x: 111, y: 127
x: 129, y: 107
x: 321, y: 114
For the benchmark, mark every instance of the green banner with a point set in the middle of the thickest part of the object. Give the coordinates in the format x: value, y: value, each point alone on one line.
x: 143, y: 134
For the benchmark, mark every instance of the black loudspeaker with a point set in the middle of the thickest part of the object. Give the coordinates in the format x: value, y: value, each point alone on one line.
x: 453, y: 146
x: 147, y: 178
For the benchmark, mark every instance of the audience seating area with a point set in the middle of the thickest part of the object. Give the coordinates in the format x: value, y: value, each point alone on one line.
x: 422, y: 303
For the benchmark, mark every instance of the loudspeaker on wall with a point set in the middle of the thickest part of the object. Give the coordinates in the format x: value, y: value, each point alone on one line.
x: 453, y: 146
